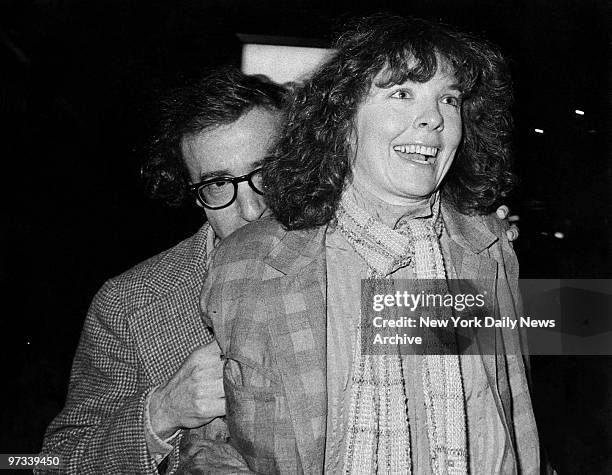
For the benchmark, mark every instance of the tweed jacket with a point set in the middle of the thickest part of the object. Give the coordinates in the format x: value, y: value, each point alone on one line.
x: 265, y: 297
x: 139, y: 329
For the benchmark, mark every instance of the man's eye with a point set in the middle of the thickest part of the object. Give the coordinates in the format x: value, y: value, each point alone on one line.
x: 401, y: 94
x: 217, y: 187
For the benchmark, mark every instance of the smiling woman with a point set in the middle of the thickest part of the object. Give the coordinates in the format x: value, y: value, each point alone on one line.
x: 392, y: 156
x: 370, y: 63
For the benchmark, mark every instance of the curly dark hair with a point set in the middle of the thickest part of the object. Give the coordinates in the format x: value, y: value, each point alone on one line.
x: 219, y: 98
x: 312, y: 161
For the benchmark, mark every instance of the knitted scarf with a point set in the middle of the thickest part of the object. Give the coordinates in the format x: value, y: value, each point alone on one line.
x: 378, y: 435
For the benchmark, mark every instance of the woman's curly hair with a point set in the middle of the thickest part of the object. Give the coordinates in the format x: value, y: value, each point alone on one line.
x: 220, y: 97
x: 312, y: 162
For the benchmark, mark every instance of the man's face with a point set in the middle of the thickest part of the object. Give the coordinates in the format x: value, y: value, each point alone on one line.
x: 230, y: 151
x: 406, y: 138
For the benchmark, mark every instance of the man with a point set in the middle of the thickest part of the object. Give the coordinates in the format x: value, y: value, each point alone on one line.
x: 144, y: 371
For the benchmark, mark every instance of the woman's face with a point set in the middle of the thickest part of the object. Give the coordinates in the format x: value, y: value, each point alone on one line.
x: 406, y: 138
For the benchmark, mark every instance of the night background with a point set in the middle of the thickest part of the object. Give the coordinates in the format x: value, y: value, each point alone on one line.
x: 78, y: 82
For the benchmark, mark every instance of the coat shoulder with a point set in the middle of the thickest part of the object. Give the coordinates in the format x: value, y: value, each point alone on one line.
x: 502, y: 250
x: 159, y: 275
x: 496, y: 225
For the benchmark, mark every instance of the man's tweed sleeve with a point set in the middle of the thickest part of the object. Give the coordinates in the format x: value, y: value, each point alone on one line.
x: 101, y: 428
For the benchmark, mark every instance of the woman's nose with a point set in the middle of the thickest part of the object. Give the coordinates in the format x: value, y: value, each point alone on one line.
x: 429, y: 118
x: 251, y: 205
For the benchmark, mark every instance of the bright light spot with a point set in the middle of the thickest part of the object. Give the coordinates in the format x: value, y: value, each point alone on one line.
x: 282, y: 63
x: 538, y: 131
x: 559, y: 235
x: 579, y: 112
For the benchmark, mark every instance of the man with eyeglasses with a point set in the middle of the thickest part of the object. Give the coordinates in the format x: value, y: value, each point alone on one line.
x: 145, y: 371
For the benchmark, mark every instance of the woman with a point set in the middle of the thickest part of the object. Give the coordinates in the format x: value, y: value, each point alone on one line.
x: 393, y: 155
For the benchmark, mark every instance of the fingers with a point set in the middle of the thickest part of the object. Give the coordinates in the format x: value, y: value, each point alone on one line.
x: 210, y: 401
x: 215, y: 389
x: 194, y: 395
x: 513, y: 233
x: 208, y: 357
x: 214, y: 408
x: 502, y: 212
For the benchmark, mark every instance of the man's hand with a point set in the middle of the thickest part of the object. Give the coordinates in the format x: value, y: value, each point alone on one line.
x: 193, y: 396
x: 513, y: 231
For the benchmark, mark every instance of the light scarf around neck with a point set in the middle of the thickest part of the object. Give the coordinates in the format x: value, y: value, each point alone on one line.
x: 378, y: 433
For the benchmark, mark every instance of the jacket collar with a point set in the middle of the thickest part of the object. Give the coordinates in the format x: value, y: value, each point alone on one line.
x: 178, y: 263
x: 296, y: 249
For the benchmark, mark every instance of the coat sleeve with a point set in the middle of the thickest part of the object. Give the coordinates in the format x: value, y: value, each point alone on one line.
x: 101, y: 428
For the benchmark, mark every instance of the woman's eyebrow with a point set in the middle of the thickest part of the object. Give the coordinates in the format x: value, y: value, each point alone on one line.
x: 456, y: 87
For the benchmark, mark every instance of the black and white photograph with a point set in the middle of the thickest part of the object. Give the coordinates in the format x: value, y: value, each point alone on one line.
x: 306, y: 237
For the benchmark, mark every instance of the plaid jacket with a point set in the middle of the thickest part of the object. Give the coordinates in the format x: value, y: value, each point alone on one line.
x: 139, y: 329
x: 265, y: 296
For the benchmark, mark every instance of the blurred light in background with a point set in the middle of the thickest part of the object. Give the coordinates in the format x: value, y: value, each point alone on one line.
x: 559, y: 235
x: 579, y: 112
x: 282, y: 63
x: 538, y: 131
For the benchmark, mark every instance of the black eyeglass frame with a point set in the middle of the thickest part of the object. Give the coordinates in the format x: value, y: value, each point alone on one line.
x: 196, y: 187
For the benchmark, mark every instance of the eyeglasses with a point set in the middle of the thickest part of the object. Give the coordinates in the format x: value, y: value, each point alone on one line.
x: 218, y: 193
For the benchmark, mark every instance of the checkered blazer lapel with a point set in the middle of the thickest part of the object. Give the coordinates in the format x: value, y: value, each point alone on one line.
x: 168, y: 328
x: 167, y: 331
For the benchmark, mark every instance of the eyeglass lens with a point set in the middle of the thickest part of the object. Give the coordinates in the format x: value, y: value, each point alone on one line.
x: 223, y: 191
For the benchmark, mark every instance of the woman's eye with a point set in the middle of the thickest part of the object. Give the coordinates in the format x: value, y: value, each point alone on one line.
x: 452, y: 100
x: 401, y: 94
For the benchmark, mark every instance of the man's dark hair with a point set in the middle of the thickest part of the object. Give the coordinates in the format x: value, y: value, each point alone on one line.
x: 312, y: 163
x: 219, y: 98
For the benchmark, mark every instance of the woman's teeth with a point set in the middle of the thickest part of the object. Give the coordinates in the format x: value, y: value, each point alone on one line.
x: 417, y: 153
x: 420, y: 149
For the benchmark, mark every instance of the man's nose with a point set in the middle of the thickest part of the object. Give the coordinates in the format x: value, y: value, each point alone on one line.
x: 251, y: 205
x: 429, y: 117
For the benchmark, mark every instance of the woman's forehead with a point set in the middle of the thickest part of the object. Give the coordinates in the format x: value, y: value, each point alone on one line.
x: 389, y: 76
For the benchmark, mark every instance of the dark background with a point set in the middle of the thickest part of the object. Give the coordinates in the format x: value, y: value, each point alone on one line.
x: 77, y: 83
